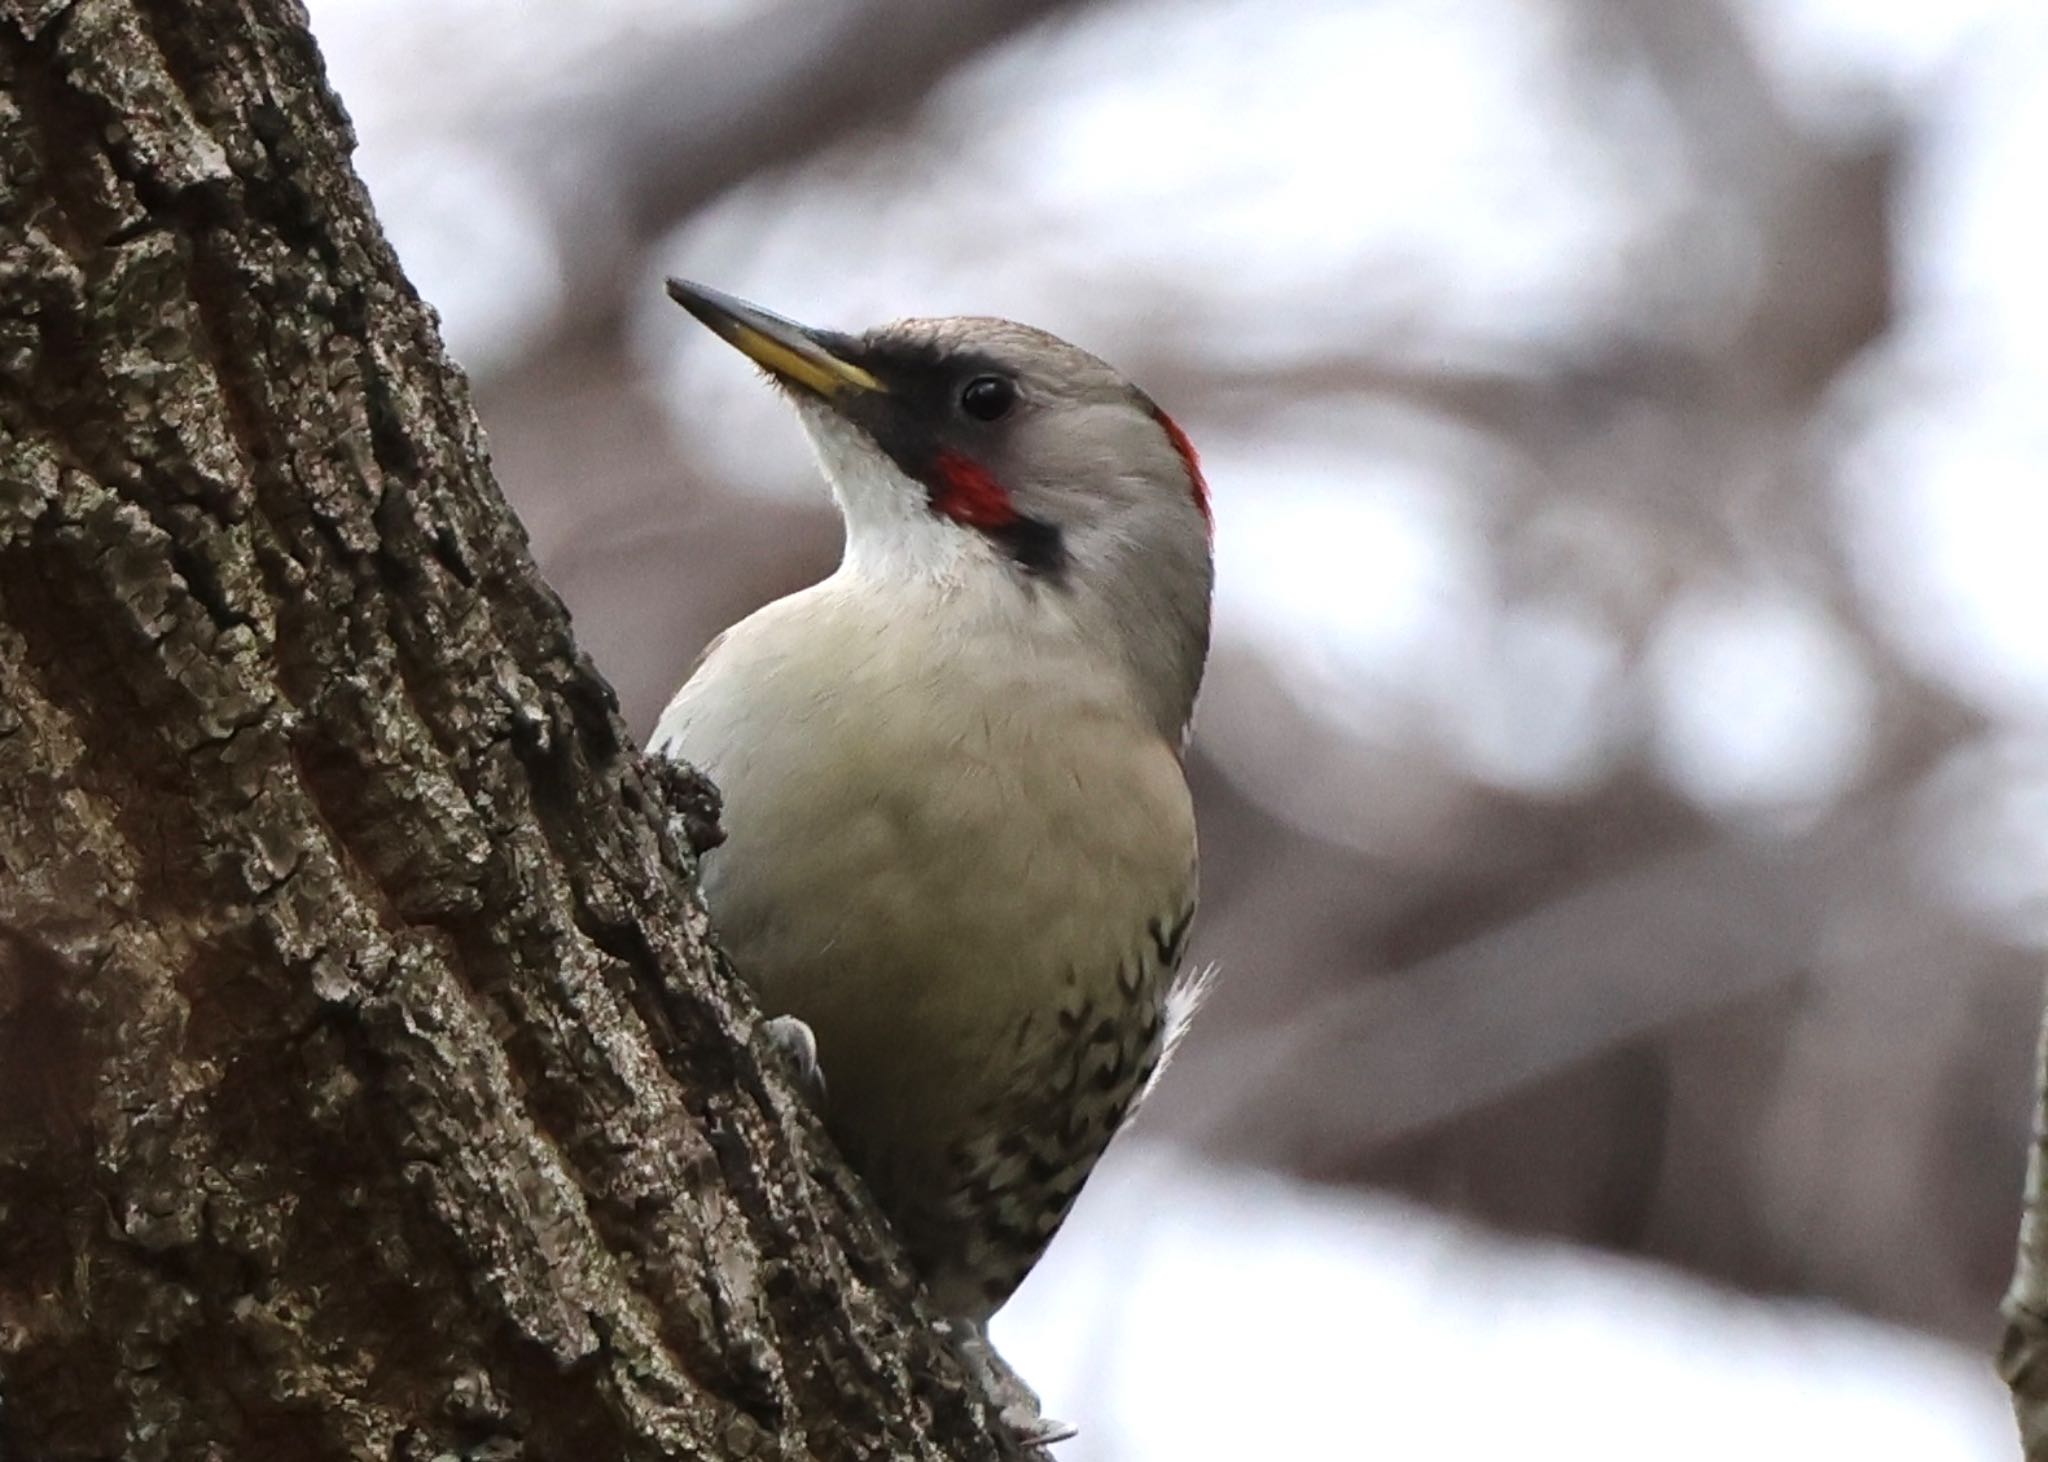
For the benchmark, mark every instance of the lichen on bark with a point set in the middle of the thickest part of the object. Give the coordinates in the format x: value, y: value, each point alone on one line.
x: 369, y: 1085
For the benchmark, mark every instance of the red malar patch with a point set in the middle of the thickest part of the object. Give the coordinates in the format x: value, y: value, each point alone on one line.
x: 968, y: 493
x: 1197, y: 483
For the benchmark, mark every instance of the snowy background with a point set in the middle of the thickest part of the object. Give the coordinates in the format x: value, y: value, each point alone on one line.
x: 1624, y: 766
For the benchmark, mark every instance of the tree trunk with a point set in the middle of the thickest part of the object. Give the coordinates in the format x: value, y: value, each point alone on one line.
x: 2023, y: 1354
x: 368, y: 1087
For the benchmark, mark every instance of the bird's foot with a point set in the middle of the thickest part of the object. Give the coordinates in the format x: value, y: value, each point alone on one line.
x: 1017, y: 1405
x: 1033, y: 1428
x: 796, y: 1046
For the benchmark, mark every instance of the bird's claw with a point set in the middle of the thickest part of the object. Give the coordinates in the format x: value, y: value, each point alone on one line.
x: 797, y: 1045
x: 1017, y: 1405
x: 1032, y: 1428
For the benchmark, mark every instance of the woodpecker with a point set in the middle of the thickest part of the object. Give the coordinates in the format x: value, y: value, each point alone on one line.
x: 960, y: 849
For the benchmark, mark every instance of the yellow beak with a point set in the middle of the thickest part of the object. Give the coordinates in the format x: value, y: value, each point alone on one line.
x: 791, y: 351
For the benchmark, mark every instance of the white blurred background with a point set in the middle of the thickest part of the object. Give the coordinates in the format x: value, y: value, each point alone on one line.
x: 1624, y: 766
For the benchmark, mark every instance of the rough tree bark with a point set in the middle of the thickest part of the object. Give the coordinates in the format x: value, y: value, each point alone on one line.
x: 2023, y: 1355
x: 368, y: 1087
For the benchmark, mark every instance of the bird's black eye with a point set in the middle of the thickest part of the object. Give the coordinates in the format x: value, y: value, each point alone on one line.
x: 985, y: 398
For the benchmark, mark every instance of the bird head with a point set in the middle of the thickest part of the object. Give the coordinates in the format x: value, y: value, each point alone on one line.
x: 991, y: 455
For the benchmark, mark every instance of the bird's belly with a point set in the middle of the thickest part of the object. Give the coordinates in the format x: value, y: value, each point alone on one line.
x: 982, y: 953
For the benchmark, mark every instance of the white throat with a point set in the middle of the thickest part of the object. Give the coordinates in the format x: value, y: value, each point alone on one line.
x: 901, y: 553
x: 891, y: 531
